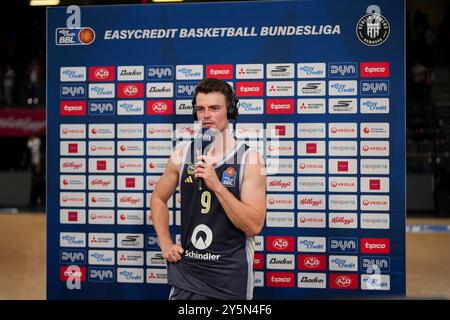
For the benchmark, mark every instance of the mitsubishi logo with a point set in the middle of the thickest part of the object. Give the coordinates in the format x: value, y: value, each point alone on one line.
x: 202, y: 237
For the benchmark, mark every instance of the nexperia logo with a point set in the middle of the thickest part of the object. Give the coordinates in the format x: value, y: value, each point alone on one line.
x: 74, y: 34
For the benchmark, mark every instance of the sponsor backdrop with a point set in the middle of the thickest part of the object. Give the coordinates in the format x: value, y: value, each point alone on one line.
x: 321, y: 88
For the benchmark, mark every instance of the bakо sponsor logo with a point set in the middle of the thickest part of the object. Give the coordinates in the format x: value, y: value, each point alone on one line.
x: 130, y: 73
x: 312, y: 280
x: 280, y: 261
x: 160, y: 90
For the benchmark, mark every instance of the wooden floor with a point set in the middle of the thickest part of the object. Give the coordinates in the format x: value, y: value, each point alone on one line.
x: 23, y: 251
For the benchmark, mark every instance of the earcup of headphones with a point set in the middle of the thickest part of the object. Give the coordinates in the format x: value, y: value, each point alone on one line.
x: 194, y: 113
x: 233, y: 109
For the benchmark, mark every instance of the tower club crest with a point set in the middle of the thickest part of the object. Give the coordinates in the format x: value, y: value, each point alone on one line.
x: 373, y: 29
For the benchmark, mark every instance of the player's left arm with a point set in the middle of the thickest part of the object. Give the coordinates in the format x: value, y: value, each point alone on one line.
x: 248, y: 213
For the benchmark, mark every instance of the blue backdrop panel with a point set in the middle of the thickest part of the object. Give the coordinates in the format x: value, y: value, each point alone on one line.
x: 322, y: 81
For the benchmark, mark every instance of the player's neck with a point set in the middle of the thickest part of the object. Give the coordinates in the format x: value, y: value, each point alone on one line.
x: 223, y: 145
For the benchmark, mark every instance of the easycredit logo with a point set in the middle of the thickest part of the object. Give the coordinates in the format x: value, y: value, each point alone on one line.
x: 101, y: 74
x: 220, y: 71
x: 72, y: 108
x: 374, y: 69
x: 280, y: 243
x: 160, y: 107
x: 250, y: 89
x: 280, y: 106
x: 130, y: 90
x: 375, y: 245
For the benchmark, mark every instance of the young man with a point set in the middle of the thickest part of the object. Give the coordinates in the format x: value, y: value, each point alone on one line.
x: 218, y: 223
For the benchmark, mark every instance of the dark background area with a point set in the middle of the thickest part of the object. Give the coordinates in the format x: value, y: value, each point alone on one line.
x: 22, y: 85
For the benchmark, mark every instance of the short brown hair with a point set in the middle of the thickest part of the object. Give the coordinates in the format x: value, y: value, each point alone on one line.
x: 209, y: 85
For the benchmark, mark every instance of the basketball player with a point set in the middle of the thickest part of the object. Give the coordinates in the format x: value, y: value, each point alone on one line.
x: 218, y: 222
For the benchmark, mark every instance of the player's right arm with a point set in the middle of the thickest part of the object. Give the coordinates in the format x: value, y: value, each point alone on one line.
x: 159, y: 211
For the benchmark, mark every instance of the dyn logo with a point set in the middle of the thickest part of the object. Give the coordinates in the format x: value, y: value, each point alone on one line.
x: 73, y: 91
x: 98, y: 108
x: 101, y: 275
x: 159, y: 73
x: 185, y: 90
x: 343, y: 70
x: 383, y: 264
x: 374, y: 87
x: 340, y: 245
x: 73, y: 257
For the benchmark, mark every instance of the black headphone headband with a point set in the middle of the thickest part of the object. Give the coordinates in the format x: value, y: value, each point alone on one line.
x: 232, y: 107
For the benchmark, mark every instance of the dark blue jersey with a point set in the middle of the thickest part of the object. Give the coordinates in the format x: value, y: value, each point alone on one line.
x: 218, y: 257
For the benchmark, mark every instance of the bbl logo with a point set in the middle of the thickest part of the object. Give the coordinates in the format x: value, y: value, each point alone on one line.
x: 373, y: 29
x: 74, y: 34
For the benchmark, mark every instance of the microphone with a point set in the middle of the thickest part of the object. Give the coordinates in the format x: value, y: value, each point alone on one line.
x: 202, y: 145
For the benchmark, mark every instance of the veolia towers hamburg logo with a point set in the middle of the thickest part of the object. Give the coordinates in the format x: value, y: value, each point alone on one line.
x: 74, y: 34
x: 373, y: 29
x: 202, y: 237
